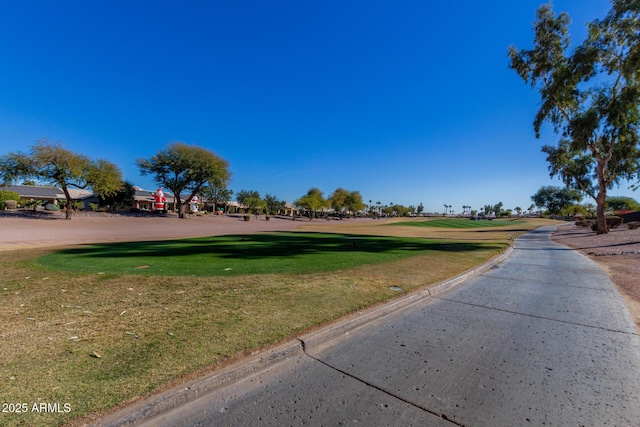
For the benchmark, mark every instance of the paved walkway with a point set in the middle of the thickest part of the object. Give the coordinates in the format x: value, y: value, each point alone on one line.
x: 542, y: 338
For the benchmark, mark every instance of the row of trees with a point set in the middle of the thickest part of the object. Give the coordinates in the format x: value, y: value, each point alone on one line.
x: 341, y: 200
x: 183, y: 169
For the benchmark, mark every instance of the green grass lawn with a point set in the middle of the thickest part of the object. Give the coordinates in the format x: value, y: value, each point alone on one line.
x: 277, y: 253
x: 461, y: 223
x: 165, y: 311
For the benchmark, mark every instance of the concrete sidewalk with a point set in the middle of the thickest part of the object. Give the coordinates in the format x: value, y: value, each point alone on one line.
x: 541, y: 337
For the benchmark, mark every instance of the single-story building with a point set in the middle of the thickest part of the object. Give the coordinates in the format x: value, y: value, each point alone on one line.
x: 35, y: 192
x: 49, y: 194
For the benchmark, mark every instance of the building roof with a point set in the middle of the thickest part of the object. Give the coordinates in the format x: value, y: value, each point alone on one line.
x: 142, y: 194
x: 35, y: 192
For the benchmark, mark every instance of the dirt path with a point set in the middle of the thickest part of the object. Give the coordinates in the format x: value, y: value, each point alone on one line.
x: 22, y: 231
x: 617, y: 252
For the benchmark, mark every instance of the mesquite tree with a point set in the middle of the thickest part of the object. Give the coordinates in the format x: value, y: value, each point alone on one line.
x: 51, y: 163
x: 186, y: 169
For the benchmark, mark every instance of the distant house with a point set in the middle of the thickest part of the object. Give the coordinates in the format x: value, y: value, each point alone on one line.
x: 291, y: 210
x: 52, y: 195
x: 84, y: 196
x: 28, y: 192
x: 143, y: 199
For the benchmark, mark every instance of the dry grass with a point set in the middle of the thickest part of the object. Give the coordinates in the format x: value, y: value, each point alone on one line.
x: 97, y: 341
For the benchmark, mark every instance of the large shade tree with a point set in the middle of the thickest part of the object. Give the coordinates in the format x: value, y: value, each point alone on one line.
x: 555, y: 199
x: 185, y: 169
x: 342, y: 200
x: 338, y: 200
x: 50, y: 163
x: 590, y: 96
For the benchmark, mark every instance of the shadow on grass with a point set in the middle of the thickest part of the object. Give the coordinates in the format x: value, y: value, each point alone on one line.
x: 257, y: 246
x: 286, y: 253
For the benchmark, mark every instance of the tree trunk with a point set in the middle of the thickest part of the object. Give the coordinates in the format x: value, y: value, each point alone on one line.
x: 601, y: 198
x: 179, y: 206
x: 67, y: 195
x: 601, y: 219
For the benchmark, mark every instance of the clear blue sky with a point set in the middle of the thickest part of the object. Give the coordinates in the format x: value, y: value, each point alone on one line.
x: 405, y: 101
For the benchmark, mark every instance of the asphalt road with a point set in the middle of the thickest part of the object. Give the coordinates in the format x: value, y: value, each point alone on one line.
x: 542, y: 338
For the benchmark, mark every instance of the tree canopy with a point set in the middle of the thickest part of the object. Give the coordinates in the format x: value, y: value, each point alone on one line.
x: 591, y: 96
x: 273, y: 204
x: 51, y: 163
x: 251, y: 200
x: 342, y: 200
x: 313, y: 201
x: 621, y: 203
x: 185, y: 168
x: 555, y: 199
x: 217, y: 191
x: 125, y: 196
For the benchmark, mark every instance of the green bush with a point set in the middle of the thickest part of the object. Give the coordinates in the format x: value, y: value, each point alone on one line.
x: 246, y: 217
x: 9, y: 195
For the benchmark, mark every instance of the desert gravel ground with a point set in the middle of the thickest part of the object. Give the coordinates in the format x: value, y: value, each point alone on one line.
x: 617, y: 252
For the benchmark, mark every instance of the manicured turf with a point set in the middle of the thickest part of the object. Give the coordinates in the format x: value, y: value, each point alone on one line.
x: 461, y: 223
x: 281, y: 253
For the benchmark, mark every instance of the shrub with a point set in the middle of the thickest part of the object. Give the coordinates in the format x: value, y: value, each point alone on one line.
x: 246, y: 217
x: 585, y: 223
x: 634, y: 224
x: 52, y: 207
x: 8, y: 195
x: 612, y: 222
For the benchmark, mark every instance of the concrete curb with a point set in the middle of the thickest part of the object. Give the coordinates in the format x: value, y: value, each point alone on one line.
x: 322, y: 337
x: 190, y: 391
